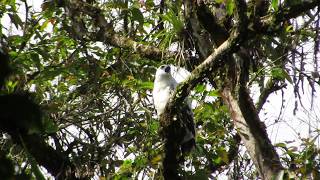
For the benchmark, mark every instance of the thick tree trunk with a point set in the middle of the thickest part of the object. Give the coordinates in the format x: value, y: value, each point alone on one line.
x: 170, y: 162
x: 253, y: 134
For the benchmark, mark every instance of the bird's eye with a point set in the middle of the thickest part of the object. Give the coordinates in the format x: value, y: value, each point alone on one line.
x: 163, y: 66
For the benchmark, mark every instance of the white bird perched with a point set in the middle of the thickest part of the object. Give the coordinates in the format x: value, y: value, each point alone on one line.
x: 164, y: 85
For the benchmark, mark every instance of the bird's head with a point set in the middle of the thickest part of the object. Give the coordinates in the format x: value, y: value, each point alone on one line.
x: 164, y: 71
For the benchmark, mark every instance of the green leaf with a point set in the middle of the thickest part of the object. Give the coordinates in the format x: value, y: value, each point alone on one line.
x: 292, y: 2
x: 283, y: 145
x: 51, y: 73
x: 10, y: 86
x: 146, y: 85
x: 155, y: 160
x: 13, y: 54
x: 222, y: 153
x: 200, y: 88
x: 36, y: 171
x: 126, y: 168
x: 36, y: 59
x: 217, y: 160
x: 214, y: 93
x: 149, y: 3
x: 16, y: 20
x: 287, y: 76
x: 137, y: 16
x: 153, y: 127
x: 172, y: 18
x: 230, y: 7
x: 281, y: 74
x: 45, y: 24
x: 289, y: 29
x: 16, y: 39
x: 277, y: 73
x: 275, y: 4
x: 49, y: 126
x: 219, y: 1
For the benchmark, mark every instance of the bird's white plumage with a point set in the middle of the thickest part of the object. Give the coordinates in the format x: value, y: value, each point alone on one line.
x: 164, y: 85
x: 179, y: 74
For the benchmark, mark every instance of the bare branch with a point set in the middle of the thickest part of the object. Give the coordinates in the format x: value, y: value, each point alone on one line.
x: 271, y: 87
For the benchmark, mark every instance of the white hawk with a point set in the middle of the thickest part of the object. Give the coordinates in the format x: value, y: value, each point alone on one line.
x: 164, y: 85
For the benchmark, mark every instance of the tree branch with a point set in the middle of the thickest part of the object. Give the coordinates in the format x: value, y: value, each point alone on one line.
x: 230, y: 45
x: 207, y: 66
x: 271, y: 87
x: 108, y: 35
x: 270, y: 22
x: 253, y: 134
x: 243, y: 113
x: 170, y: 127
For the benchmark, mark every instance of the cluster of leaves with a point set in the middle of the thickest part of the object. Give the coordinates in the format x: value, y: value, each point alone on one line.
x: 301, y: 161
x: 95, y: 98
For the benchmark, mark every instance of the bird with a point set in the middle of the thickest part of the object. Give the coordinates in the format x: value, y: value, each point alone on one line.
x: 164, y: 86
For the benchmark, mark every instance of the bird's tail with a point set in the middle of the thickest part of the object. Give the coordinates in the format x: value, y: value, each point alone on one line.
x: 188, y: 146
